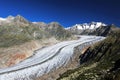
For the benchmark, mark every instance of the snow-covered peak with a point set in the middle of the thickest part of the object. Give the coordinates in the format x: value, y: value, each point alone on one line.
x: 84, y: 26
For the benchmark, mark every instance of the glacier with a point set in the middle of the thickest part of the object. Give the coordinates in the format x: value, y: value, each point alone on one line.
x: 45, y: 60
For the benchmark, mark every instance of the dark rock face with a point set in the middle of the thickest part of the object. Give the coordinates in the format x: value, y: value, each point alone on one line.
x: 101, y: 31
x: 116, y: 66
x: 85, y: 57
x: 96, y: 54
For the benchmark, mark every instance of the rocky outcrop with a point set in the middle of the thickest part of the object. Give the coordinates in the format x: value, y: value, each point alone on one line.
x: 101, y: 31
x: 90, y: 54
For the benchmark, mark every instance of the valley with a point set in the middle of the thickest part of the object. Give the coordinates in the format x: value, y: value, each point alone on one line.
x: 49, y: 51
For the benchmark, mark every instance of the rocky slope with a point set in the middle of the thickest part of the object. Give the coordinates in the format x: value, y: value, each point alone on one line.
x: 12, y: 55
x: 18, y: 31
x: 98, y: 62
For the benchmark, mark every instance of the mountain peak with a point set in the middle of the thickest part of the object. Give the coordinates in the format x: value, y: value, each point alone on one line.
x: 20, y: 18
x: 54, y: 23
x: 84, y: 26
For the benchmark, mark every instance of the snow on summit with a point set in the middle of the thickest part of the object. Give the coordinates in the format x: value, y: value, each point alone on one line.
x: 84, y: 26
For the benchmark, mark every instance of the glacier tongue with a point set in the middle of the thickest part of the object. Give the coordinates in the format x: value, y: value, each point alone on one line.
x: 45, y: 60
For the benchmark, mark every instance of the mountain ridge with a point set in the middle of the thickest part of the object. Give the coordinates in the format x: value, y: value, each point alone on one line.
x: 98, y: 29
x: 84, y: 26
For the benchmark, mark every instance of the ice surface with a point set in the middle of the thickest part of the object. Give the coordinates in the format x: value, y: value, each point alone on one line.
x: 46, y: 59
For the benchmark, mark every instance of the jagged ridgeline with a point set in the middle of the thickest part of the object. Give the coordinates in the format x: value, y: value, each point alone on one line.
x: 99, y: 62
x: 17, y: 30
x: 93, y: 28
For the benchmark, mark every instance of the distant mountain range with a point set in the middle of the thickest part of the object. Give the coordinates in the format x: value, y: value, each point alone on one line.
x: 85, y: 26
x: 93, y: 28
x: 24, y: 22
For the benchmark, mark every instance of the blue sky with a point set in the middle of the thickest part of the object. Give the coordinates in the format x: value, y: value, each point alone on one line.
x: 66, y: 12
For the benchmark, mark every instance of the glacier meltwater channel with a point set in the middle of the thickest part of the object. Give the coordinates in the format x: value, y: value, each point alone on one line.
x: 45, y: 60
